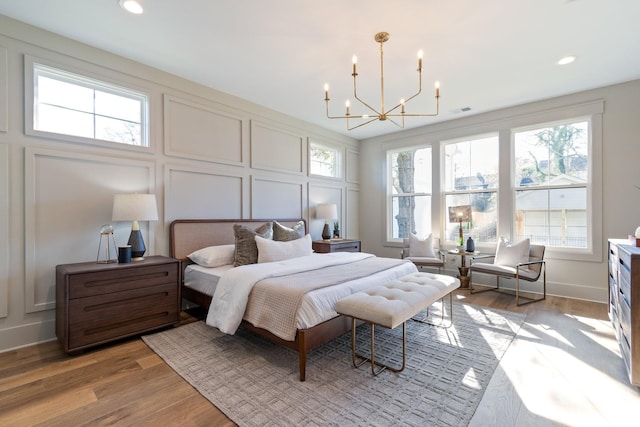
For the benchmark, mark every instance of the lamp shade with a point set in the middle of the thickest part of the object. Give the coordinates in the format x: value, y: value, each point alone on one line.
x: 460, y: 213
x: 134, y: 207
x: 327, y: 211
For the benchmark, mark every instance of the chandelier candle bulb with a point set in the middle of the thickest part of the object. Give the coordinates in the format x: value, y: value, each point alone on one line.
x: 347, y: 104
x: 437, y: 89
x: 326, y: 91
x: 420, y: 54
x: 354, y: 59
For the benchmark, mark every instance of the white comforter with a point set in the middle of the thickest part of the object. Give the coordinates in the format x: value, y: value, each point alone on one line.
x: 232, y: 293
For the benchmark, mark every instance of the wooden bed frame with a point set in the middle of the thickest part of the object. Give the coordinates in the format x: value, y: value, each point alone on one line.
x: 188, y: 235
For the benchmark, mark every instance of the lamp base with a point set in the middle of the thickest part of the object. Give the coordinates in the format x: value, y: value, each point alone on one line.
x: 326, y: 234
x: 137, y: 245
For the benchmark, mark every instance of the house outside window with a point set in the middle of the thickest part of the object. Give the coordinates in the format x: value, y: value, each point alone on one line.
x: 325, y: 160
x: 471, y: 178
x: 409, y: 192
x: 551, y: 177
x: 78, y: 106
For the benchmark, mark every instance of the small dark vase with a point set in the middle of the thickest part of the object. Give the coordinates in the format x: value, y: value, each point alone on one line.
x: 336, y: 233
x: 471, y: 246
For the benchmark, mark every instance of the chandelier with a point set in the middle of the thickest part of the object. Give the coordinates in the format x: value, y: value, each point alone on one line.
x: 391, y: 114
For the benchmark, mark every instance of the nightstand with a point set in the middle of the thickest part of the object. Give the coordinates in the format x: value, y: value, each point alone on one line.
x: 99, y: 303
x: 335, y: 245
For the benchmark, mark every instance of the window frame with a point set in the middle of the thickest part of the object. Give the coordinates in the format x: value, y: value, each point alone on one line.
x: 84, y: 78
x: 444, y: 192
x: 593, y: 250
x: 339, y: 163
x: 389, y: 190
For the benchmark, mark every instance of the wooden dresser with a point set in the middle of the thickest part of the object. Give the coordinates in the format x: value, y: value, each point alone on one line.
x: 98, y: 303
x: 624, y: 302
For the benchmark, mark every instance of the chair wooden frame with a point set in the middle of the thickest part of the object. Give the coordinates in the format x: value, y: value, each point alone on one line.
x: 517, y: 275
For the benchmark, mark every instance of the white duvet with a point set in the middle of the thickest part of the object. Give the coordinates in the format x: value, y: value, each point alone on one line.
x: 232, y: 293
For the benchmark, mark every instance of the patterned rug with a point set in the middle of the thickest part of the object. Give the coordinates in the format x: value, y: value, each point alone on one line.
x: 255, y: 382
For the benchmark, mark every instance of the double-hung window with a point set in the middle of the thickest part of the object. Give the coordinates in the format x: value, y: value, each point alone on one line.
x: 551, y: 177
x: 471, y: 179
x: 70, y: 104
x: 409, y: 186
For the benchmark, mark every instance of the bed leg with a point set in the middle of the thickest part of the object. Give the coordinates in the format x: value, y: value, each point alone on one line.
x: 302, y: 355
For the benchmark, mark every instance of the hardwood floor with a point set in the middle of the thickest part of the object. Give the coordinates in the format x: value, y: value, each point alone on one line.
x: 564, y: 368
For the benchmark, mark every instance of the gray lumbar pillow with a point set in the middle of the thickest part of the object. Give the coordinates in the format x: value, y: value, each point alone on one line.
x: 246, y: 249
x: 283, y: 233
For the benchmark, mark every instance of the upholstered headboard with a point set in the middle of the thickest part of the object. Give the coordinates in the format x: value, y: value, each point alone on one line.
x: 188, y: 235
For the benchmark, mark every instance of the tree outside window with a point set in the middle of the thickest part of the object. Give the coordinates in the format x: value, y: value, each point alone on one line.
x: 410, y: 185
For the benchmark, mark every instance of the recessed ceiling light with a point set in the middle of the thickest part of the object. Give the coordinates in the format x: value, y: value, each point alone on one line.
x: 566, y: 60
x: 132, y: 6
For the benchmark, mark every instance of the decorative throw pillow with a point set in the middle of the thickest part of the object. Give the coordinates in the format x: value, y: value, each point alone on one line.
x: 214, y: 256
x: 282, y: 233
x: 421, y: 247
x: 511, y: 254
x: 272, y: 250
x: 246, y: 249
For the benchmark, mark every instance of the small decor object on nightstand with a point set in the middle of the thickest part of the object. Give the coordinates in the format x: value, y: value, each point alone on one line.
x: 336, y: 230
x: 471, y: 246
x: 124, y: 254
x: 107, y: 245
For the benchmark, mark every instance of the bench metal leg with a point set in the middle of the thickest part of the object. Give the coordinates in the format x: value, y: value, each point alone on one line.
x: 363, y: 359
x: 441, y: 324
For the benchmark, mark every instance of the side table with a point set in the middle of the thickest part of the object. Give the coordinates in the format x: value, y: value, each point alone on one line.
x: 335, y: 245
x: 463, y: 270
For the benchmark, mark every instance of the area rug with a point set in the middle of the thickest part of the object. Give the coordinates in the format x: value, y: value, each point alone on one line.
x: 255, y: 382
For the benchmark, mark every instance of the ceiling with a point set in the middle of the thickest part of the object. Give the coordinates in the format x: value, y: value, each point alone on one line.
x: 279, y: 53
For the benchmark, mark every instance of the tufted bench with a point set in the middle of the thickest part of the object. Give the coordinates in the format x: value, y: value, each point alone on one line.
x: 393, y: 304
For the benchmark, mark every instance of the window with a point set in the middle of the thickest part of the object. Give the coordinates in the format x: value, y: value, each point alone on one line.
x: 551, y: 178
x: 410, y: 187
x: 325, y: 160
x: 471, y: 178
x: 70, y: 104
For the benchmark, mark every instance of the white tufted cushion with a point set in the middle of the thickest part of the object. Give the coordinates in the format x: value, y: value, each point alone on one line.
x: 392, y: 304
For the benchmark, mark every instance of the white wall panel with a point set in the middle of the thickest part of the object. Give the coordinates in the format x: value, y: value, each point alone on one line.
x: 353, y: 166
x: 197, y: 194
x: 277, y: 149
x: 4, y: 230
x: 353, y: 214
x: 68, y: 197
x: 4, y: 90
x: 273, y: 198
x: 196, y: 131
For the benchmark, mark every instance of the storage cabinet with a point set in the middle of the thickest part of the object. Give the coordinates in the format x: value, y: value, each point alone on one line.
x: 98, y: 303
x: 624, y: 302
x: 340, y: 245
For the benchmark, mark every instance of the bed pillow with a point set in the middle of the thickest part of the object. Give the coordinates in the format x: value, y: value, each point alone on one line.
x: 214, y: 256
x: 272, y: 250
x: 511, y: 254
x: 421, y: 247
x: 283, y: 233
x: 246, y: 251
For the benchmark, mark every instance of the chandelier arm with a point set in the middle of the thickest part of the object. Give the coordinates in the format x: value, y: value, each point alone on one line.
x: 396, y: 123
x: 361, y: 124
x: 420, y: 115
x: 355, y: 94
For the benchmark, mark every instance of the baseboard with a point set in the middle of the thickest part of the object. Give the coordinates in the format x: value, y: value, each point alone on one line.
x: 26, y: 335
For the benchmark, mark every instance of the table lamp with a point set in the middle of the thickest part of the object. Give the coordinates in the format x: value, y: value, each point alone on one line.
x: 135, y: 207
x: 326, y: 212
x: 460, y: 214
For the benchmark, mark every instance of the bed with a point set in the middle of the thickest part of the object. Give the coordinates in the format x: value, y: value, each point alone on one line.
x: 189, y: 235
